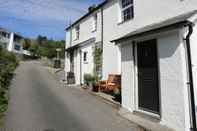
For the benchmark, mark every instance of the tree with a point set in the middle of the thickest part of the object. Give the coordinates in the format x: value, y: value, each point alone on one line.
x: 41, y: 40
x: 34, y: 48
x: 42, y: 46
x: 26, y: 43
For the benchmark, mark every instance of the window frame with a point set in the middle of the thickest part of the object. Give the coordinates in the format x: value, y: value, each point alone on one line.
x: 127, y: 7
x: 77, y: 32
x: 17, y: 47
x: 95, y: 22
x: 85, y: 54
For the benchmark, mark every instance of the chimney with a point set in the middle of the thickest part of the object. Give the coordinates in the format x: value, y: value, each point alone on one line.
x: 91, y: 8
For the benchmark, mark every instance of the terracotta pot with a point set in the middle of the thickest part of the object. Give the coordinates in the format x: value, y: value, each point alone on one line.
x: 95, y: 88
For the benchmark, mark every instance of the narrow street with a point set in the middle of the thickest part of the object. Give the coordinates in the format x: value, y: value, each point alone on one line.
x: 38, y: 102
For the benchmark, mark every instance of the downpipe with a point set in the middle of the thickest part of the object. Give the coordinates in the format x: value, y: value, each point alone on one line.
x: 191, y: 86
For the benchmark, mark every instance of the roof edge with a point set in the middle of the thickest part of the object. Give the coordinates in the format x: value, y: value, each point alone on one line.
x: 87, y: 14
x: 156, y: 30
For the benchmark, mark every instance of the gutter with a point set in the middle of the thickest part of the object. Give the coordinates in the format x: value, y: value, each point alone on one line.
x: 190, y: 83
x: 80, y: 66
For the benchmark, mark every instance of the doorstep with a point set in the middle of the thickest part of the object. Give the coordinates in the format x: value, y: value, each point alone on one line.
x: 147, y: 122
x: 107, y: 98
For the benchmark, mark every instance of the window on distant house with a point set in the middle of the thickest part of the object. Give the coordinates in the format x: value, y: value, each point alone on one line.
x: 77, y: 28
x: 17, y: 47
x: 85, y: 56
x: 95, y: 22
x: 127, y: 9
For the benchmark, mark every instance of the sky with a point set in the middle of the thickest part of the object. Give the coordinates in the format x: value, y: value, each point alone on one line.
x: 45, y: 17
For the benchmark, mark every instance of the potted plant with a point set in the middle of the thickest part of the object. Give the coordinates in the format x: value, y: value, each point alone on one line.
x: 95, y: 86
x: 117, y: 94
x: 88, y: 80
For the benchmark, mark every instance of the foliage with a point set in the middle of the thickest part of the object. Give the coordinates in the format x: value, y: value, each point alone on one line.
x: 90, y: 79
x: 34, y: 48
x: 41, y: 40
x: 8, y: 63
x: 49, y: 49
x: 43, y: 47
x: 97, y: 61
x: 26, y: 43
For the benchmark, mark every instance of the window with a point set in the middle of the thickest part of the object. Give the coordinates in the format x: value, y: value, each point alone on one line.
x: 85, y: 56
x: 127, y: 9
x: 77, y: 32
x: 95, y: 22
x: 17, y: 47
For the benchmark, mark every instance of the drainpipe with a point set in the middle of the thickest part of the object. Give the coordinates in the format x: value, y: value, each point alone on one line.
x: 80, y: 52
x: 190, y: 83
x: 102, y: 26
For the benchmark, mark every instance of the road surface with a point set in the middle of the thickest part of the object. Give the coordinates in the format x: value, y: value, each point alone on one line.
x: 38, y: 102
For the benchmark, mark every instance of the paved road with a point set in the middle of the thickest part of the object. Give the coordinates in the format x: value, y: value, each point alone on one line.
x: 40, y: 103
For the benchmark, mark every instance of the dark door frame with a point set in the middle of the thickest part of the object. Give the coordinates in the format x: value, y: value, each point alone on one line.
x: 135, y: 53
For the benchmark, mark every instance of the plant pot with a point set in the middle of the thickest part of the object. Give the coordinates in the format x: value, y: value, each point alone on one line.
x: 95, y: 88
x: 116, y: 91
x: 117, y: 95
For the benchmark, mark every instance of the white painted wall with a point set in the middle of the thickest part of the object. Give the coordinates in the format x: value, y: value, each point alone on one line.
x: 144, y: 14
x: 77, y: 66
x: 173, y: 79
x: 11, y: 42
x: 86, y: 33
x: 86, y: 30
x: 194, y: 58
x: 88, y: 66
x: 128, y: 81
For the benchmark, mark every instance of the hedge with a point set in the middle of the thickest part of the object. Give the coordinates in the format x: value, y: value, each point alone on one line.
x: 8, y: 63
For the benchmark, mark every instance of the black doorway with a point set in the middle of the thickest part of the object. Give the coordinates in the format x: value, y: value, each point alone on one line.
x: 148, y: 81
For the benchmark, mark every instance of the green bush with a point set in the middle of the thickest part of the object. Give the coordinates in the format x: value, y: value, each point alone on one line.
x: 90, y: 79
x: 87, y: 79
x: 8, y: 63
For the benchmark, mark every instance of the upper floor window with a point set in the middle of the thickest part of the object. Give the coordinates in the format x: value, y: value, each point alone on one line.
x: 127, y: 9
x: 4, y: 34
x: 95, y: 19
x: 17, y: 47
x: 77, y: 29
x: 85, y: 56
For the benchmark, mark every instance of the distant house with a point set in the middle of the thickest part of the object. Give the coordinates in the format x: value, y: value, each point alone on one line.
x: 152, y: 44
x: 82, y: 37
x: 11, y: 41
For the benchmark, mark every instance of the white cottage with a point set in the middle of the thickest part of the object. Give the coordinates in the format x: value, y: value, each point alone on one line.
x: 82, y: 37
x: 11, y: 41
x: 155, y: 54
x: 157, y: 77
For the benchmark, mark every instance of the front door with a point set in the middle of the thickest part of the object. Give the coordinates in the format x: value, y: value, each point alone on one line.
x: 72, y: 61
x: 148, y: 86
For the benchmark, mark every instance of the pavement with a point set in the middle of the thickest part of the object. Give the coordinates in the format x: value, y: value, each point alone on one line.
x: 38, y: 102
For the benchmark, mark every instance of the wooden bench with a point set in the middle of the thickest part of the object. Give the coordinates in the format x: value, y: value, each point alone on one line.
x: 113, y: 82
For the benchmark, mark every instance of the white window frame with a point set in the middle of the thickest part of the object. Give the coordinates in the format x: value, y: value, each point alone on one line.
x: 85, y: 59
x: 125, y: 8
x: 77, y: 32
x: 95, y: 22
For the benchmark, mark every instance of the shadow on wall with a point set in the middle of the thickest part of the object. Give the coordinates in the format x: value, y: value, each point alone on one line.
x: 126, y: 53
x: 167, y: 48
